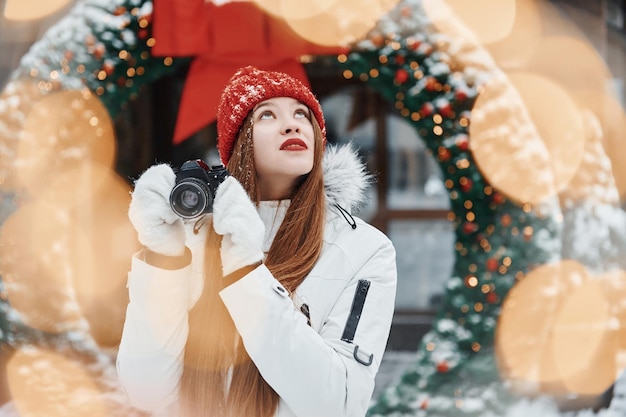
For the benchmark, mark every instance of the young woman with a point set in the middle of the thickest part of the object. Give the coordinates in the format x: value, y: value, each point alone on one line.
x: 279, y: 302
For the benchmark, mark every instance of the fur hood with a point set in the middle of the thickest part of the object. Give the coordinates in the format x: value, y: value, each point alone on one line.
x: 345, y: 177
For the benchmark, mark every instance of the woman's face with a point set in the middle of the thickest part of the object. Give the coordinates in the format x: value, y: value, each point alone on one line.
x: 284, y: 144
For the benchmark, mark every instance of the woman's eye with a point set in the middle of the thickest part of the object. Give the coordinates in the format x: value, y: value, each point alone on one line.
x: 266, y: 115
x: 301, y: 113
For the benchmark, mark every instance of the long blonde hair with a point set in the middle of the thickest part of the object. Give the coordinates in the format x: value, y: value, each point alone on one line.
x: 214, y: 347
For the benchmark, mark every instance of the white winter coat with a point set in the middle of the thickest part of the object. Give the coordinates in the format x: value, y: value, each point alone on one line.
x: 314, y: 371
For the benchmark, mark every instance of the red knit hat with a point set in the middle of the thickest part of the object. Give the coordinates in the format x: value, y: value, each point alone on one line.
x: 248, y: 87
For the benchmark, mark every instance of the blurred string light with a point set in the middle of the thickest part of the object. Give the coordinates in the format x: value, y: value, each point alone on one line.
x: 24, y: 10
x: 329, y: 22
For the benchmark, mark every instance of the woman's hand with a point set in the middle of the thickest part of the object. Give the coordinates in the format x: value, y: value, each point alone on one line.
x: 159, y: 229
x: 235, y: 218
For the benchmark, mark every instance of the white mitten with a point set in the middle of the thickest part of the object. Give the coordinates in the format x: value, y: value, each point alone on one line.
x: 158, y: 227
x: 235, y: 218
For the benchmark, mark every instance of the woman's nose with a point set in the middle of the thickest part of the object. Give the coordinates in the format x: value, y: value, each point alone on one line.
x: 291, y: 128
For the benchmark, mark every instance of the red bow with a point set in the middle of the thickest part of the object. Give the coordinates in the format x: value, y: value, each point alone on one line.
x: 221, y: 39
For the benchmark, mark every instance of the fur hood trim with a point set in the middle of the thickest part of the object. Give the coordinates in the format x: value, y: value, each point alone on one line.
x: 345, y: 177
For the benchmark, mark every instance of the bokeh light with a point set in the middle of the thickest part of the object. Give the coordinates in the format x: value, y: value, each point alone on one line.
x: 63, y: 263
x: 570, y: 62
x: 531, y: 155
x: 488, y: 20
x: 294, y: 9
x: 100, y: 279
x: 558, y: 331
x: 583, y: 343
x: 34, y: 264
x: 522, y: 340
x: 614, y: 282
x: 594, y: 181
x: 343, y: 22
x: 558, y: 121
x: 32, y: 9
x: 16, y: 100
x: 44, y: 383
x: 514, y: 50
x: 63, y: 131
x: 612, y: 120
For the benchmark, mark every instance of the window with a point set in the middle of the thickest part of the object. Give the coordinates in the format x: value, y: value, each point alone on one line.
x: 409, y: 201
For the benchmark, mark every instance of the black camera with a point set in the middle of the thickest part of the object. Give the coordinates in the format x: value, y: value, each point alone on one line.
x: 195, y: 188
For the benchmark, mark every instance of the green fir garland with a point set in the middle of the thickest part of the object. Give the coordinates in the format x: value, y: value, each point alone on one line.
x: 497, y: 241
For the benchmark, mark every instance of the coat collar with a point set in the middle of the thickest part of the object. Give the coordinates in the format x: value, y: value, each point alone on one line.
x: 345, y: 182
x: 345, y: 177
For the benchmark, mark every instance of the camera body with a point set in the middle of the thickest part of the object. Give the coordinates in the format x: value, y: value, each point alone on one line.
x: 195, y: 188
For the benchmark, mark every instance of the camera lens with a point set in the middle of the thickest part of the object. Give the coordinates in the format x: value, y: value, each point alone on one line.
x: 190, y: 198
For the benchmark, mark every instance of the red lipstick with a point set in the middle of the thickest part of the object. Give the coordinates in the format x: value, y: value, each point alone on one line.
x: 293, y: 144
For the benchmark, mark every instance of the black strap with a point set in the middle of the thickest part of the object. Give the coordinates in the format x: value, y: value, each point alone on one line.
x: 304, y: 308
x: 356, y: 310
x: 346, y: 215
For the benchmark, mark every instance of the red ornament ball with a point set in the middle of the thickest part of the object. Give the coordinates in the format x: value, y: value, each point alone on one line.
x: 413, y: 44
x: 401, y: 76
x: 443, y: 154
x: 469, y: 227
x: 467, y: 186
x: 427, y: 109
x: 497, y: 198
x: 460, y: 95
x: 443, y: 367
x: 377, y: 39
x: 492, y: 264
x: 445, y: 110
x: 462, y: 142
x: 98, y: 51
x: 108, y: 68
x: 431, y: 84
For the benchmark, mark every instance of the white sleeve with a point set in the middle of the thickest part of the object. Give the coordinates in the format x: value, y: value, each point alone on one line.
x: 316, y: 374
x: 149, y: 359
